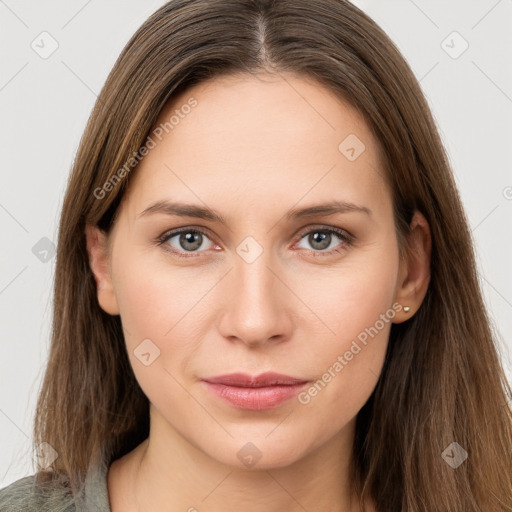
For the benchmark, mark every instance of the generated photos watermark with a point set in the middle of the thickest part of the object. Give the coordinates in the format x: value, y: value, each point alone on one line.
x: 158, y: 134
x: 343, y: 360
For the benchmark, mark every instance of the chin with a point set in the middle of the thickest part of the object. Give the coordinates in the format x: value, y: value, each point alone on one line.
x: 259, y: 452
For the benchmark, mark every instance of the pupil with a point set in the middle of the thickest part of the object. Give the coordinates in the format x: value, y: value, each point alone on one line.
x: 192, y: 239
x: 322, y: 239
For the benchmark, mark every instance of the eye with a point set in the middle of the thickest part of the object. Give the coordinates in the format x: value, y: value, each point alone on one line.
x: 192, y: 240
x: 323, y: 240
x: 185, y: 240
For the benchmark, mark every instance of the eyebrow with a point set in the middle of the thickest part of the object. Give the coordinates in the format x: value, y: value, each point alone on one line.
x: 203, y: 212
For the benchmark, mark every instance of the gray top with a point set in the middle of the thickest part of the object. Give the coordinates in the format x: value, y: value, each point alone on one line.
x: 24, y: 495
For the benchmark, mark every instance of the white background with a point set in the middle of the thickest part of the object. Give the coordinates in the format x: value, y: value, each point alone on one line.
x: 45, y: 104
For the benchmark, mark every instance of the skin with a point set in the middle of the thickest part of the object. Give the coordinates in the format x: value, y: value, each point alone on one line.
x: 253, y: 148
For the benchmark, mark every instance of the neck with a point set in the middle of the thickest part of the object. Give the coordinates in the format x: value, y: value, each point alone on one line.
x: 166, y: 472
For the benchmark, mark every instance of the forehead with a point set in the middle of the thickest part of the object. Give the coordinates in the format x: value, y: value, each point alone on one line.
x: 267, y: 138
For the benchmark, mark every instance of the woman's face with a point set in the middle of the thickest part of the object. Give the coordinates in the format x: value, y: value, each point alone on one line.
x: 287, y: 262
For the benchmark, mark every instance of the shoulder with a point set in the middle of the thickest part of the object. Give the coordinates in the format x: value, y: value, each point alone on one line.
x: 36, y: 493
x: 49, y: 491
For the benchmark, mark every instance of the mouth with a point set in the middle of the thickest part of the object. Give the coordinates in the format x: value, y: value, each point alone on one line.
x: 266, y: 391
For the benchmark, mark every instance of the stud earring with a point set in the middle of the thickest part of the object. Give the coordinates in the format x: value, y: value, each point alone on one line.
x: 407, y: 309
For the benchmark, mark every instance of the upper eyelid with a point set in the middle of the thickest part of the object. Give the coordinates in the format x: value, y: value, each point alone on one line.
x: 323, y: 227
x: 177, y: 231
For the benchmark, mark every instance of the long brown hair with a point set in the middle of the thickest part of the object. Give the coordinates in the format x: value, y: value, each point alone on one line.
x: 442, y: 380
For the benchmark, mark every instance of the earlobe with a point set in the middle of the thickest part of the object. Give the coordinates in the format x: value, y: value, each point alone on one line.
x: 414, y: 275
x: 97, y: 249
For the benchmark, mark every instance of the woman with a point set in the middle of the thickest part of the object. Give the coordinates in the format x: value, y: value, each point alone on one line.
x: 266, y: 295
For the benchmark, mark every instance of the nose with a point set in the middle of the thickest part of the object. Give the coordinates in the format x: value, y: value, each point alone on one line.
x: 259, y: 308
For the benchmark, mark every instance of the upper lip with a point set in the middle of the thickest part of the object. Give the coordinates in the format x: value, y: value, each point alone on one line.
x: 257, y: 381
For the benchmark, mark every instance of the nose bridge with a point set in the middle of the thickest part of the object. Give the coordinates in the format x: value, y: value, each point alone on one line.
x: 257, y: 309
x: 252, y: 263
x: 256, y: 282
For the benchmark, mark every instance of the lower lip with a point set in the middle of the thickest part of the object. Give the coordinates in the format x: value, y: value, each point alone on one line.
x: 255, y: 399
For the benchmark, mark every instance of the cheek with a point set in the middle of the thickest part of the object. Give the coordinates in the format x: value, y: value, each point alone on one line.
x: 142, y: 302
x: 356, y: 305
x: 159, y: 312
x: 352, y: 296
x: 153, y: 298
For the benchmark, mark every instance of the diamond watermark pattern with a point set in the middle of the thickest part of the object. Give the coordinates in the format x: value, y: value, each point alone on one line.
x: 249, y: 455
x: 351, y: 147
x: 249, y: 249
x: 45, y: 455
x: 44, y: 250
x: 146, y: 352
x: 454, y: 45
x: 454, y: 455
x: 44, y: 45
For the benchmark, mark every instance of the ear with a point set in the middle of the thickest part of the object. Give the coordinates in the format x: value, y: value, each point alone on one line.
x: 414, y: 272
x: 97, y: 248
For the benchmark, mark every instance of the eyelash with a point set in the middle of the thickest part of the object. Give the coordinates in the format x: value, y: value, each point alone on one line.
x: 346, y: 238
